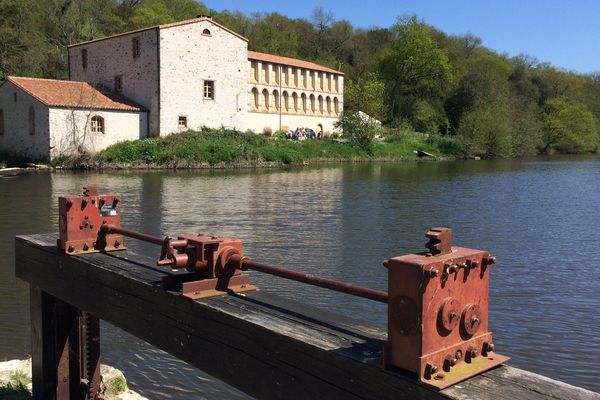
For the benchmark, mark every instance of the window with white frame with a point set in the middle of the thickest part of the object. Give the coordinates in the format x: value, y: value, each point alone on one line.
x: 209, y: 90
x: 182, y: 121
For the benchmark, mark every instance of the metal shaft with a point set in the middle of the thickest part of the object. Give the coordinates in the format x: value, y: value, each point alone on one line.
x: 372, y: 294
x: 106, y: 229
x: 246, y: 263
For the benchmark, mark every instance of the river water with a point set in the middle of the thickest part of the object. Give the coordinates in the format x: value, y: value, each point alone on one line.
x: 538, y: 216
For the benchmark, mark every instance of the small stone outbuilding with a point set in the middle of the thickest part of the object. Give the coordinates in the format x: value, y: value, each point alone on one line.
x: 42, y: 119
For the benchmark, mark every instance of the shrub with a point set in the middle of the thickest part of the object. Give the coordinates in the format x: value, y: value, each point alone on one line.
x: 358, y: 130
x: 267, y: 131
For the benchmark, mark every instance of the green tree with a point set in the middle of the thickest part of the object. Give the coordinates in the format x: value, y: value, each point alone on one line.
x: 151, y: 13
x: 414, y: 66
x: 274, y: 33
x: 569, y: 127
x: 366, y: 94
x: 485, y: 81
x: 485, y: 129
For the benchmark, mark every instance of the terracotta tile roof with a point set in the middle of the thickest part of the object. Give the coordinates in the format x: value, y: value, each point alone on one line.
x: 164, y: 26
x: 74, y: 94
x: 294, y: 62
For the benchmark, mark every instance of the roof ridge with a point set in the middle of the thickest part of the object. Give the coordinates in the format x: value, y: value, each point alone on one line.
x: 40, y: 90
x: 33, y: 78
x: 162, y: 26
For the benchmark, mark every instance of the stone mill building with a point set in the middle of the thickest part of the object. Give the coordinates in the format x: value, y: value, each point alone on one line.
x: 163, y: 80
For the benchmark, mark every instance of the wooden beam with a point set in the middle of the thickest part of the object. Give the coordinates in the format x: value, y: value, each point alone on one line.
x: 266, y: 346
x: 55, y: 348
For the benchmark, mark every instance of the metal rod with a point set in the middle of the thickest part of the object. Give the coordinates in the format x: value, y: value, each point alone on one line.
x: 372, y: 294
x: 246, y: 263
x: 107, y: 229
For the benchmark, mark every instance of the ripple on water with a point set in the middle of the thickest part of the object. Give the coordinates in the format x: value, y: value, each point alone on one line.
x: 537, y: 216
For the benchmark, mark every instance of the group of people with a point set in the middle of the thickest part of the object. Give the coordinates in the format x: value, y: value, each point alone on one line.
x: 301, y: 134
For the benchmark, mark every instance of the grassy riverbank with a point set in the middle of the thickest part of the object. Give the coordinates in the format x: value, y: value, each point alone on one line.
x: 218, y: 148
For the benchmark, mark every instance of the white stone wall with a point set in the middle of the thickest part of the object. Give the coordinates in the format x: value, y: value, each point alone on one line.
x: 187, y: 58
x: 70, y: 128
x: 258, y: 122
x: 111, y: 57
x: 17, y: 139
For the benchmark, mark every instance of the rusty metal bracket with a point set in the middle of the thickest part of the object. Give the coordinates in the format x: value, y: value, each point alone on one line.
x: 444, y: 292
x: 80, y: 219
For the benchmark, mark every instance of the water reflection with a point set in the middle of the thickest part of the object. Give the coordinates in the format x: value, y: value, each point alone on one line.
x: 341, y: 222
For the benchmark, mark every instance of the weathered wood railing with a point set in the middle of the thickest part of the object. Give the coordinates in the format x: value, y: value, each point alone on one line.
x: 266, y: 346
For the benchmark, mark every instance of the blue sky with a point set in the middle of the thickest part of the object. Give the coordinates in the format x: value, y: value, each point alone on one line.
x: 565, y: 33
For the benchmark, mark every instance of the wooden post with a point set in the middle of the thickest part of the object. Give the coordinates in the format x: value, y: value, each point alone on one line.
x: 55, y: 349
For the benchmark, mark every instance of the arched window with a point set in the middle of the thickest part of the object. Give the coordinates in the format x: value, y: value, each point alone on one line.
x: 313, y: 107
x: 1, y: 122
x: 286, y: 101
x: 328, y: 102
x: 335, y: 84
x: 31, y: 121
x: 336, y: 106
x: 275, y: 100
x: 254, y: 99
x: 205, y: 32
x: 97, y: 124
x: 320, y: 102
x: 295, y: 77
x: 265, y: 100
x: 295, y: 102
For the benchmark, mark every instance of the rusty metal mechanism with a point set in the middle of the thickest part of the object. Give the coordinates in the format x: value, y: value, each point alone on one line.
x: 80, y: 218
x: 438, y: 312
x: 437, y: 301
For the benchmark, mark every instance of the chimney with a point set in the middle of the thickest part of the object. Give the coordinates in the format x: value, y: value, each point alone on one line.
x: 203, y: 16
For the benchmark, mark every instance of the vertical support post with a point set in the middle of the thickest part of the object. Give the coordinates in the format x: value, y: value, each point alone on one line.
x: 65, y: 348
x: 43, y: 354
